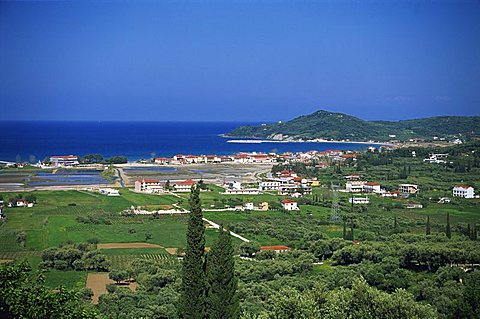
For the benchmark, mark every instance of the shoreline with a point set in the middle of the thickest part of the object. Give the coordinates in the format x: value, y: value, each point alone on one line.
x: 260, y: 141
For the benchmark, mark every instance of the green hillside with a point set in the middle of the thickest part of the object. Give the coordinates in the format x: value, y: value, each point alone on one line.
x: 339, y: 126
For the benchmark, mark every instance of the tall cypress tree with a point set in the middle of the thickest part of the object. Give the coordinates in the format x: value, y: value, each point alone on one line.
x: 192, y: 297
x: 427, y: 227
x: 222, y: 298
x: 351, y: 232
x: 344, y: 228
x: 395, y: 225
x: 448, y: 231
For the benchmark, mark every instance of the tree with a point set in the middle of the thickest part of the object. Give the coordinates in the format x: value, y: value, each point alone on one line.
x: 448, y: 231
x: 148, y: 236
x: 118, y: 275
x: 427, y: 227
x: 344, y: 228
x: 249, y: 248
x: 351, y: 232
x: 24, y: 296
x: 192, y: 297
x: 222, y: 299
x: 365, y: 302
x: 395, y: 224
x: 167, y: 185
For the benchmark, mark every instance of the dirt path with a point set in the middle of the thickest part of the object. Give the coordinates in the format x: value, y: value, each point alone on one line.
x: 217, y: 226
x: 127, y: 245
x: 98, y: 283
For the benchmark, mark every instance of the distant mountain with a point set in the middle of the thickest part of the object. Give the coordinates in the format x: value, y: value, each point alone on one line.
x: 339, y: 126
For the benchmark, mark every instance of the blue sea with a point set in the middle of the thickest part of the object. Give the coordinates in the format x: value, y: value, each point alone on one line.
x: 33, y: 141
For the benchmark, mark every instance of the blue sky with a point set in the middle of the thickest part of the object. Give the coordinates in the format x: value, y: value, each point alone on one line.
x: 238, y: 60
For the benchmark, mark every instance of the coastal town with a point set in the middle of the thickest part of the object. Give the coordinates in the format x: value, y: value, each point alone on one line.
x: 260, y: 177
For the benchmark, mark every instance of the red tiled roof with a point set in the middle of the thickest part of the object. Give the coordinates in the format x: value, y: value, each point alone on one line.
x: 372, y: 184
x: 287, y: 201
x: 274, y: 248
x: 463, y: 186
x: 186, y: 182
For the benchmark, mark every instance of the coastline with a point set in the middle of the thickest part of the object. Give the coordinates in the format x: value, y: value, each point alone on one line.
x: 260, y: 141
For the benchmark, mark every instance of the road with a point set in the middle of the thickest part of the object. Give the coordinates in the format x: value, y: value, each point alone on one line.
x: 217, y: 226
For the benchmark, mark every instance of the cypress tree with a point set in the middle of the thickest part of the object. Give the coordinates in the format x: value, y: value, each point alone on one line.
x: 395, y: 225
x: 427, y: 230
x: 448, y: 231
x: 192, y: 297
x: 344, y: 228
x: 469, y: 232
x: 222, y: 299
x: 351, y: 232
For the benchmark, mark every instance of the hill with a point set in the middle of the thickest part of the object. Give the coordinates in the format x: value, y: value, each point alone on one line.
x: 339, y: 126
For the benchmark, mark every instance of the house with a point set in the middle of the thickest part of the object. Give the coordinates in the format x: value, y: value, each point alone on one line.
x: 296, y: 195
x: 20, y: 203
x: 64, y: 160
x: 413, y: 206
x: 359, y: 200
x: 464, y: 191
x: 241, y: 191
x: 269, y: 186
x: 353, y: 177
x: 289, y: 204
x: 263, y: 206
x: 354, y: 186
x: 408, y: 188
x: 183, y: 186
x: 109, y: 192
x: 371, y: 187
x: 233, y: 185
x: 148, y: 186
x: 248, y: 206
x: 436, y: 158
x: 390, y: 194
x: 444, y: 200
x: 314, y: 183
x: 277, y: 249
x: 162, y: 160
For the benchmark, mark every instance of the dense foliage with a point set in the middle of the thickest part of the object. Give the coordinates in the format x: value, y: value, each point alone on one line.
x: 324, y: 124
x: 24, y: 296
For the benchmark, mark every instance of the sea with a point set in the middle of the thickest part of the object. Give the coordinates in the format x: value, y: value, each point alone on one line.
x: 30, y: 141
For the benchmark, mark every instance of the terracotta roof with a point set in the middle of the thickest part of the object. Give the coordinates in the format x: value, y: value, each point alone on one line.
x: 186, y: 182
x: 287, y: 201
x: 372, y: 184
x: 463, y: 186
x: 274, y: 248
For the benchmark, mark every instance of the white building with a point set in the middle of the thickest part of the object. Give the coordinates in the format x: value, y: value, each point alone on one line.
x: 359, y: 200
x: 148, y: 186
x: 183, y: 186
x: 269, y: 186
x: 249, y: 206
x: 371, y: 187
x: 290, y: 204
x: 408, y: 188
x: 109, y: 192
x: 64, y: 160
x: 464, y: 191
x: 354, y: 186
x: 436, y: 158
x: 241, y: 191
